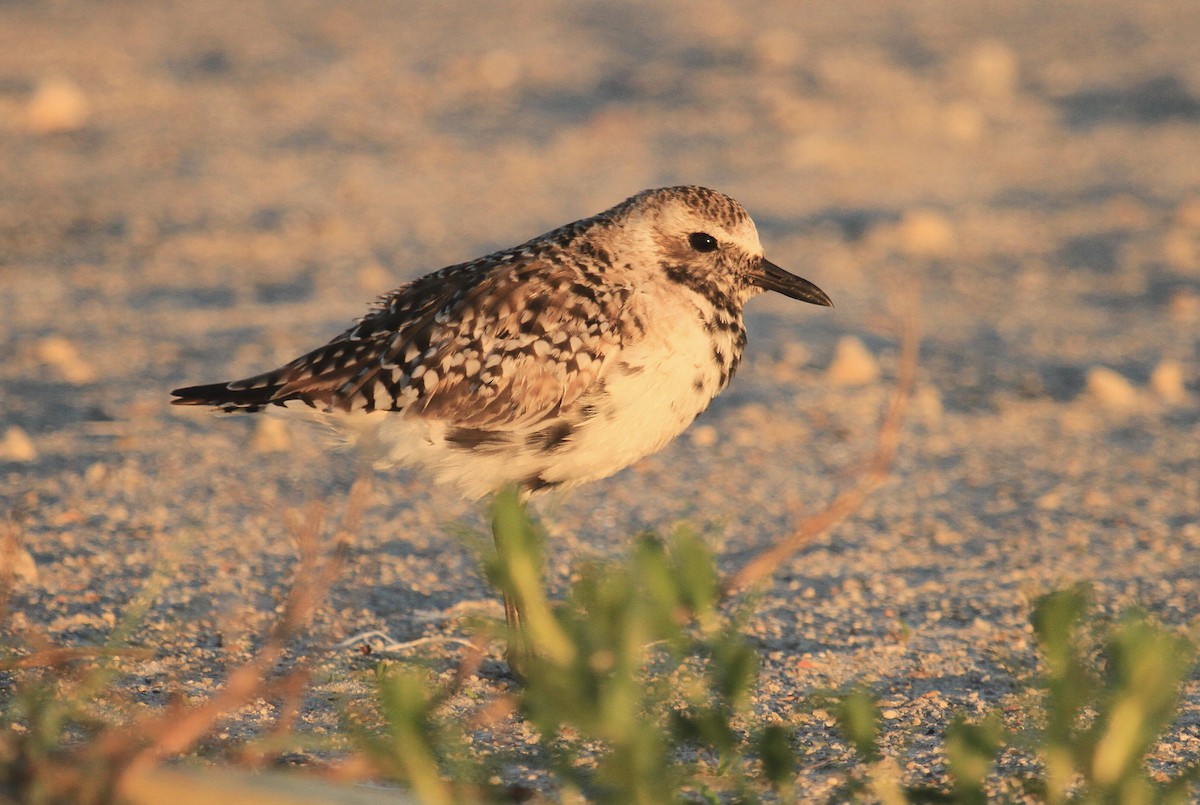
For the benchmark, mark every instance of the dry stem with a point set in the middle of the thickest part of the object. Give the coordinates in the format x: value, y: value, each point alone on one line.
x: 124, y: 752
x: 873, y: 472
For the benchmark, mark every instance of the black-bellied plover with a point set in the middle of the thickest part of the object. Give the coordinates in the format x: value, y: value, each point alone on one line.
x: 549, y: 364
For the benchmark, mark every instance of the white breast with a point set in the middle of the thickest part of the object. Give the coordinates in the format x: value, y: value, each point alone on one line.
x: 652, y: 392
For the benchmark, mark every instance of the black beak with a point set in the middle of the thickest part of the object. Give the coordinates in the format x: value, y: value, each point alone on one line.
x: 771, y: 277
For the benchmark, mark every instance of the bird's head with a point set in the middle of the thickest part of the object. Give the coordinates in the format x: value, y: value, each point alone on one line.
x: 705, y: 240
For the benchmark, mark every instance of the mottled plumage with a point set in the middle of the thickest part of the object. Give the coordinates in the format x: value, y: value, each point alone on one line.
x: 552, y: 363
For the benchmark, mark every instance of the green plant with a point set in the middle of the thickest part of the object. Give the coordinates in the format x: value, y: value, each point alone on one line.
x: 1100, y: 716
x: 638, y: 685
x: 47, y: 714
x: 1101, y: 719
x: 55, y: 749
x: 412, y: 746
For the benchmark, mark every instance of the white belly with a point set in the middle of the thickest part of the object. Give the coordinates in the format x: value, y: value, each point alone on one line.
x: 653, y: 393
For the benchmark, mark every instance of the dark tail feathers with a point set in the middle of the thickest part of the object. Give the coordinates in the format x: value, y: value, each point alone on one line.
x: 220, y: 395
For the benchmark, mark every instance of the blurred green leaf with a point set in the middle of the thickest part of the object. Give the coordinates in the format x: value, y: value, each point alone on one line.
x: 1146, y: 668
x: 858, y: 717
x: 517, y: 571
x: 697, y: 581
x: 1099, y: 727
x: 1055, y: 619
x: 970, y: 753
x: 411, y: 754
x: 778, y: 760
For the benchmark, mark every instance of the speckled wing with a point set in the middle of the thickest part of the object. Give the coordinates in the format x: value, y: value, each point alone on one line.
x: 502, y: 343
x: 520, y: 347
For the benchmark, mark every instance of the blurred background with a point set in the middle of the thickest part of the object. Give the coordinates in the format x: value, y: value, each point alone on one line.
x: 223, y: 154
x: 224, y: 146
x: 199, y: 191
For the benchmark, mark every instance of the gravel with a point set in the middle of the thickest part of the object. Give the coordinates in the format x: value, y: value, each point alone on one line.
x: 193, y: 192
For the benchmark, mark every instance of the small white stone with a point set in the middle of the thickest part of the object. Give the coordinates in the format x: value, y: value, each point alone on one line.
x: 927, y: 404
x: 1110, y: 388
x: 795, y: 354
x: 16, y: 445
x: 499, y: 69
x: 925, y: 233
x: 704, y: 435
x: 994, y: 70
x: 1167, y: 381
x: 853, y: 364
x: 946, y: 536
x: 61, y: 355
x: 58, y: 104
x: 270, y: 436
x: 778, y: 47
x: 1050, y: 501
x: 372, y: 276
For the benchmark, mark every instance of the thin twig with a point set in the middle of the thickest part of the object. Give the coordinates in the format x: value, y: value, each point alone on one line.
x: 156, y: 736
x: 380, y: 642
x: 873, y: 473
x: 61, y: 655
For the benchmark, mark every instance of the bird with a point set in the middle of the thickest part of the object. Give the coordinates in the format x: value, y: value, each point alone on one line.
x: 546, y: 365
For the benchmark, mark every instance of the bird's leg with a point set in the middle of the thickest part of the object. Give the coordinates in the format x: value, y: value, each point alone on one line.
x: 534, y: 629
x: 517, y: 643
x: 516, y: 550
x: 512, y: 614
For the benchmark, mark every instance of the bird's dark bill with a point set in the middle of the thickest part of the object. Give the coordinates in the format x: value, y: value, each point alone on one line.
x: 771, y: 277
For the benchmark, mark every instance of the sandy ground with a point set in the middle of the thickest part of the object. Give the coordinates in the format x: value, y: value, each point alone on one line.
x: 198, y: 191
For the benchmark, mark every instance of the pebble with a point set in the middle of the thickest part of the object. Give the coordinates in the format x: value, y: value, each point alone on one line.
x: 778, y: 47
x: 1167, y: 381
x: 270, y: 436
x: 924, y: 233
x: 57, y: 105
x: 946, y: 536
x: 994, y: 71
x: 853, y: 364
x: 1187, y: 214
x: 499, y: 69
x: 1184, y: 305
x: 927, y: 405
x: 1050, y: 501
x: 703, y: 435
x: 1180, y: 248
x: 16, y: 445
x: 372, y: 277
x: 1110, y: 388
x: 795, y: 353
x: 964, y: 121
x: 60, y: 354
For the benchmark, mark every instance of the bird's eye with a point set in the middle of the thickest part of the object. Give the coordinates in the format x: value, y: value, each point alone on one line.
x: 702, y: 242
